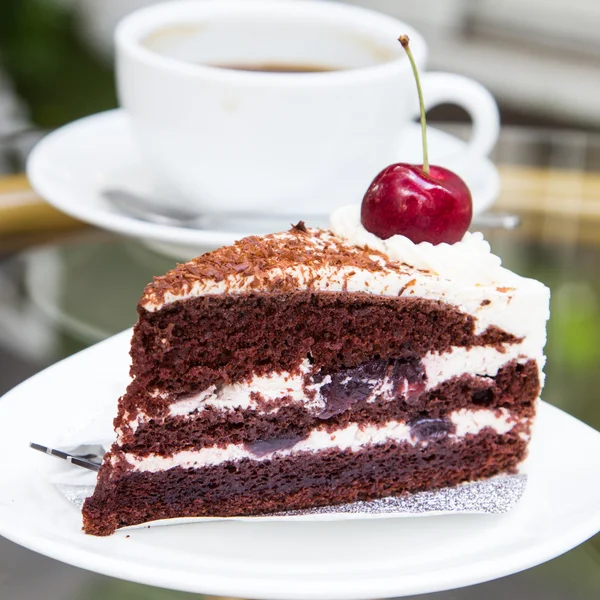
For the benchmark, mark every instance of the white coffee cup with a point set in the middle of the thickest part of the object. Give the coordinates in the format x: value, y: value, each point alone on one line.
x: 222, y: 140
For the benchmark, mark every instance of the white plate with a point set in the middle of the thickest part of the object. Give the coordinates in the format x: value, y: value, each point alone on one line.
x: 72, y: 165
x: 329, y: 560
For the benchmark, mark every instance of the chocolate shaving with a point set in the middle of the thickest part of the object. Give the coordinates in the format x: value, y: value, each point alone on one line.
x: 300, y: 226
x: 296, y: 255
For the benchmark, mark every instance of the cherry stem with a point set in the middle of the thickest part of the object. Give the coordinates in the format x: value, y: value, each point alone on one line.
x: 403, y: 39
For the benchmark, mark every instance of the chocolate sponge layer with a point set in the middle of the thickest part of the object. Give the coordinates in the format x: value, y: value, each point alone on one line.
x: 250, y: 487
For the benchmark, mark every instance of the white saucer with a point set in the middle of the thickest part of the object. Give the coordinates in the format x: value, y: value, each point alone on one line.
x: 352, y: 559
x: 72, y: 165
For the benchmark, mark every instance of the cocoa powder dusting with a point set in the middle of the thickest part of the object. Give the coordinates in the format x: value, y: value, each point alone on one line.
x: 256, y: 256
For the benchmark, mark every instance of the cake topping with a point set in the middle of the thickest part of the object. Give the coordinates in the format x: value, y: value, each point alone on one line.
x: 300, y: 226
x: 349, y: 259
x: 291, y: 260
x: 469, y: 260
x: 421, y: 202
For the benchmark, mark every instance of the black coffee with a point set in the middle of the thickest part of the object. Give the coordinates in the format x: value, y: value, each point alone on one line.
x: 278, y: 68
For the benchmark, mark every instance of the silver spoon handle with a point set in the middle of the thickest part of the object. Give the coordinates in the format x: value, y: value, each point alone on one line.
x: 496, y: 220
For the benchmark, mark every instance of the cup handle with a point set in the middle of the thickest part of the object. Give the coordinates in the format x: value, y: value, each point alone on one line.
x: 451, y: 88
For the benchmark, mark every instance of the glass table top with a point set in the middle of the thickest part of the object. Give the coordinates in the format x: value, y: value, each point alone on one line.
x: 60, y: 296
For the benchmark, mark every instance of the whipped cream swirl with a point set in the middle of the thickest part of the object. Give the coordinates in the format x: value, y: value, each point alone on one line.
x: 468, y: 261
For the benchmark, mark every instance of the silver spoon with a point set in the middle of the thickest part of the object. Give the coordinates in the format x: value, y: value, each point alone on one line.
x: 146, y: 209
x: 494, y: 220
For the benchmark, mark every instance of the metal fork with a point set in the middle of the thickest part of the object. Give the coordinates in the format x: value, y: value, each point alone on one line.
x: 86, y: 456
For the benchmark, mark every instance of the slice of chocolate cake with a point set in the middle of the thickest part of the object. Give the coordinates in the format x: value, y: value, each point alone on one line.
x: 312, y: 368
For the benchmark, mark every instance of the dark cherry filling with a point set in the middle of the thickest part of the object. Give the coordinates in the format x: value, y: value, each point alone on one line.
x: 263, y: 447
x: 355, y: 385
x: 351, y: 386
x: 431, y: 429
x: 483, y: 397
x: 421, y: 429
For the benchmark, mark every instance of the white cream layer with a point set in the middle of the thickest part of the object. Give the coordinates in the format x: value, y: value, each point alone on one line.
x: 240, y: 395
x: 469, y: 261
x: 484, y: 361
x: 353, y: 438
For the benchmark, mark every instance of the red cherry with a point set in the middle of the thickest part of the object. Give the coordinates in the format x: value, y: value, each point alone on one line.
x: 423, y: 203
x: 433, y: 207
